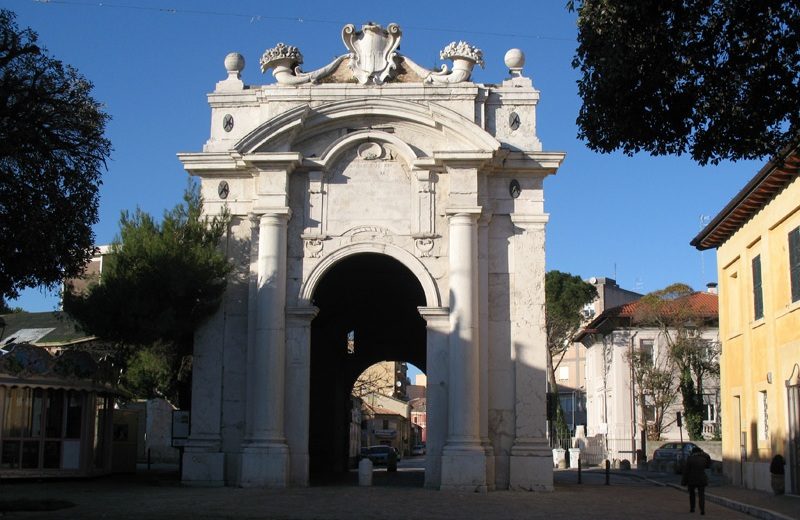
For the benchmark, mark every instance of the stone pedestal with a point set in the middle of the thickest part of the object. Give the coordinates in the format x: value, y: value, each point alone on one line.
x: 464, y: 470
x: 203, y: 466
x: 264, y: 467
x: 531, y: 468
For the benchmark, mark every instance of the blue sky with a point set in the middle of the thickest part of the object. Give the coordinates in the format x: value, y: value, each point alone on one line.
x: 152, y: 63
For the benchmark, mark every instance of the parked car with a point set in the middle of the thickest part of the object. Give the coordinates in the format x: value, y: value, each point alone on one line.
x: 380, y: 454
x: 676, y: 452
x: 418, y: 449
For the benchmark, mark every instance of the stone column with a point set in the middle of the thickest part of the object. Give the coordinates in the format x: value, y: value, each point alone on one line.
x: 463, y: 459
x: 437, y: 321
x: 265, y: 454
x: 298, y: 380
x: 530, y: 463
x: 483, y: 335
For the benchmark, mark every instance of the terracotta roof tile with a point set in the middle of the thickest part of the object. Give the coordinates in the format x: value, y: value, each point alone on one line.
x: 703, y: 303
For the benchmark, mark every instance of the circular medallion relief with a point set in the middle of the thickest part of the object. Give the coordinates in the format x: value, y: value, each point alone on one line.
x: 514, y: 121
x: 370, y: 151
x: 223, y: 189
x: 227, y: 122
x: 514, y: 189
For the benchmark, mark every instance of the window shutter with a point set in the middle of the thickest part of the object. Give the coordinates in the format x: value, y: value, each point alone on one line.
x: 794, y: 262
x: 758, y: 295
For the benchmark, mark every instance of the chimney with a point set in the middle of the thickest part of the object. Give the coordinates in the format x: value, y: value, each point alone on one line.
x: 712, y: 287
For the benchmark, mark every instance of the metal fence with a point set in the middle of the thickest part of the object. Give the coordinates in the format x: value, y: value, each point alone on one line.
x: 595, y: 450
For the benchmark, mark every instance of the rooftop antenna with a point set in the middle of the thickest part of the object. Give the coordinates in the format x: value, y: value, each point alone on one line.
x: 704, y: 220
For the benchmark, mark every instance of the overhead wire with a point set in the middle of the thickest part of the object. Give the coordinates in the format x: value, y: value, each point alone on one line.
x: 255, y: 18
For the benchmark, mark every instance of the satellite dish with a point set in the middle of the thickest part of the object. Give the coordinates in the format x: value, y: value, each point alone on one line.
x: 593, y: 280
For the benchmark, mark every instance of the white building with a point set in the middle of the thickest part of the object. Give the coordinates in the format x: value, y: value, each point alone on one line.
x: 613, y: 409
x: 376, y: 202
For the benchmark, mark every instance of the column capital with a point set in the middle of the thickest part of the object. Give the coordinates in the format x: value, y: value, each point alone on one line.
x: 258, y: 214
x: 431, y: 314
x: 464, y: 159
x: 473, y: 211
x: 273, y: 161
x: 530, y: 221
x: 302, y: 313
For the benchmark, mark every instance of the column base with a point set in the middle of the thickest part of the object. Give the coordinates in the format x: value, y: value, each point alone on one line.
x: 298, y: 464
x: 531, y: 468
x: 203, y: 468
x: 263, y: 467
x: 490, y: 469
x: 464, y: 470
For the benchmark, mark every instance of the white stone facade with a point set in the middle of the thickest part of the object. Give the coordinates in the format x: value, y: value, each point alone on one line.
x: 611, y: 400
x: 371, y: 155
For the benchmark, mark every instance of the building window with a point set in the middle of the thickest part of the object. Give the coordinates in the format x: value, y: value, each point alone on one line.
x: 794, y: 262
x: 733, y: 300
x: 758, y: 295
x: 563, y: 373
x: 646, y: 349
x: 567, y: 403
x: 36, y: 423
x: 649, y: 412
x: 763, y: 417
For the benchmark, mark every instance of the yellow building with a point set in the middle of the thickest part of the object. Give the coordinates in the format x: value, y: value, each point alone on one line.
x: 757, y: 237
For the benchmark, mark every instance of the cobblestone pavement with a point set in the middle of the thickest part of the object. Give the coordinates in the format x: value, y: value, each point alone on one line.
x: 156, y: 496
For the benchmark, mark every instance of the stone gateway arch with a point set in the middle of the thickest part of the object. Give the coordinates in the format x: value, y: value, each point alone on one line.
x: 405, y: 206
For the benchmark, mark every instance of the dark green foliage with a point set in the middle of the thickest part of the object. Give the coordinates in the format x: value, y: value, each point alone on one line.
x: 5, y: 309
x: 160, y: 282
x: 565, y: 297
x: 149, y: 372
x: 714, y: 78
x: 52, y: 151
x: 693, y: 408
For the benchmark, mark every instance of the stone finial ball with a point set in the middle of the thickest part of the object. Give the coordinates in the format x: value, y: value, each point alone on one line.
x: 234, y: 62
x: 514, y: 59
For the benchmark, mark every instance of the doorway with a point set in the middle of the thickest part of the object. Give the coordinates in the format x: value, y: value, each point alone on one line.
x: 367, y: 313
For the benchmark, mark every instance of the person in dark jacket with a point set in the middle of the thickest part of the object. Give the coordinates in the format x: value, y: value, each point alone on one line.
x: 694, y: 476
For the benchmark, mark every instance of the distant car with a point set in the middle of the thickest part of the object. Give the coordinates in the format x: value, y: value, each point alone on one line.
x: 380, y: 454
x: 676, y: 452
x: 418, y: 449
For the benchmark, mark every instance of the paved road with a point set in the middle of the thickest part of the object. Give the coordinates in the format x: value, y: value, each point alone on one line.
x: 157, y: 496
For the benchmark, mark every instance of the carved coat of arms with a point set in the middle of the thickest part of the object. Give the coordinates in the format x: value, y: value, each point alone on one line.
x: 372, y: 51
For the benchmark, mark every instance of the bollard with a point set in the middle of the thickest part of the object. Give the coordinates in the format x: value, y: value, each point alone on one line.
x: 579, y: 471
x: 365, y: 472
x: 608, y: 472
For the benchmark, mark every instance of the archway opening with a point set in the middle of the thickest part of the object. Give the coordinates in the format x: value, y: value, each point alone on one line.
x: 367, y: 314
x: 390, y: 399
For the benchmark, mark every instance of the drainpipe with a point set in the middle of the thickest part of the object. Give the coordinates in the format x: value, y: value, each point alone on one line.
x: 633, y: 398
